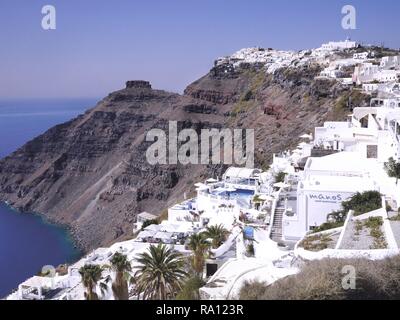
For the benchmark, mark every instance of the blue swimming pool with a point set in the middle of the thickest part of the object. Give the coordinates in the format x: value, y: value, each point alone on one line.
x: 239, y: 194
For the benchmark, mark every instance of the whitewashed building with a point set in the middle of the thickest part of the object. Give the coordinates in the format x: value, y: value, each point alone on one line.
x: 339, y: 45
x: 361, y: 55
x: 369, y: 72
x: 359, y: 148
x: 387, y: 75
x: 327, y: 181
x: 370, y: 87
x: 390, y: 62
x: 365, y: 72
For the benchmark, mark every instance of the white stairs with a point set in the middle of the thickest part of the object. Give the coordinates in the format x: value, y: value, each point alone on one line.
x: 276, y: 231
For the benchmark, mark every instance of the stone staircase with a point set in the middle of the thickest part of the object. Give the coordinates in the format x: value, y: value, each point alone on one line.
x: 276, y: 232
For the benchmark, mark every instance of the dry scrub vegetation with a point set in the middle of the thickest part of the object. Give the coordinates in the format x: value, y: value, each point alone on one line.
x: 322, y: 280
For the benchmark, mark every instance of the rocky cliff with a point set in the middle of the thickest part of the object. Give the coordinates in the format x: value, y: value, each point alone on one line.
x: 91, y: 174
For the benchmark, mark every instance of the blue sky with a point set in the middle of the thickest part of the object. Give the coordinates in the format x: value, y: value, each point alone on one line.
x: 100, y: 44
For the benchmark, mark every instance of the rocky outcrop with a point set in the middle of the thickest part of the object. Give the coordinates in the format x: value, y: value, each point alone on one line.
x: 138, y: 84
x: 91, y: 173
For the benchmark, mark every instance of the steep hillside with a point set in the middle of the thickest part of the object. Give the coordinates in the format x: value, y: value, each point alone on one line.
x: 91, y: 173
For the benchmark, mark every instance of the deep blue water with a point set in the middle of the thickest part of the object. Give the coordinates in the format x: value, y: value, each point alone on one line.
x: 27, y: 242
x: 20, y: 121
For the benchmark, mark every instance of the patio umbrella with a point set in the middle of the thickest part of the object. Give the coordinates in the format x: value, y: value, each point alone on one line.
x: 281, y: 185
x: 306, y: 136
x: 230, y: 189
x: 265, y: 197
x: 211, y: 180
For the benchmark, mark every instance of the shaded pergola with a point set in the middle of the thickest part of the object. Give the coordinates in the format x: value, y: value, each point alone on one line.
x: 33, y: 288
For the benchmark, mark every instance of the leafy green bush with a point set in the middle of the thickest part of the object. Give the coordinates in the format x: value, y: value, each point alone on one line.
x: 376, y: 233
x: 374, y: 222
x: 393, y: 169
x: 336, y: 220
x: 363, y: 202
x: 328, y: 225
x: 250, y: 250
x: 360, y: 203
x: 338, y: 216
x: 316, y: 242
x: 395, y: 218
x: 280, y: 177
x: 358, y: 227
x: 190, y: 289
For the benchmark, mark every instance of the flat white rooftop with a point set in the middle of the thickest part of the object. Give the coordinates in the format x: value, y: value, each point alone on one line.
x: 340, y: 162
x: 338, y: 183
x: 244, y: 173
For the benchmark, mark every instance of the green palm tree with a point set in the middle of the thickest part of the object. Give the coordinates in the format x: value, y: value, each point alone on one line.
x: 160, y: 273
x: 201, y: 248
x: 190, y: 289
x: 121, y: 266
x: 91, y: 275
x: 217, y: 233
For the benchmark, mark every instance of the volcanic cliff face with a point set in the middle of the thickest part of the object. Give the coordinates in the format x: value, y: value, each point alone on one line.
x: 91, y: 173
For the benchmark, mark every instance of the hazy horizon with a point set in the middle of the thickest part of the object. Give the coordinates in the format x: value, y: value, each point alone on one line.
x: 98, y: 45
